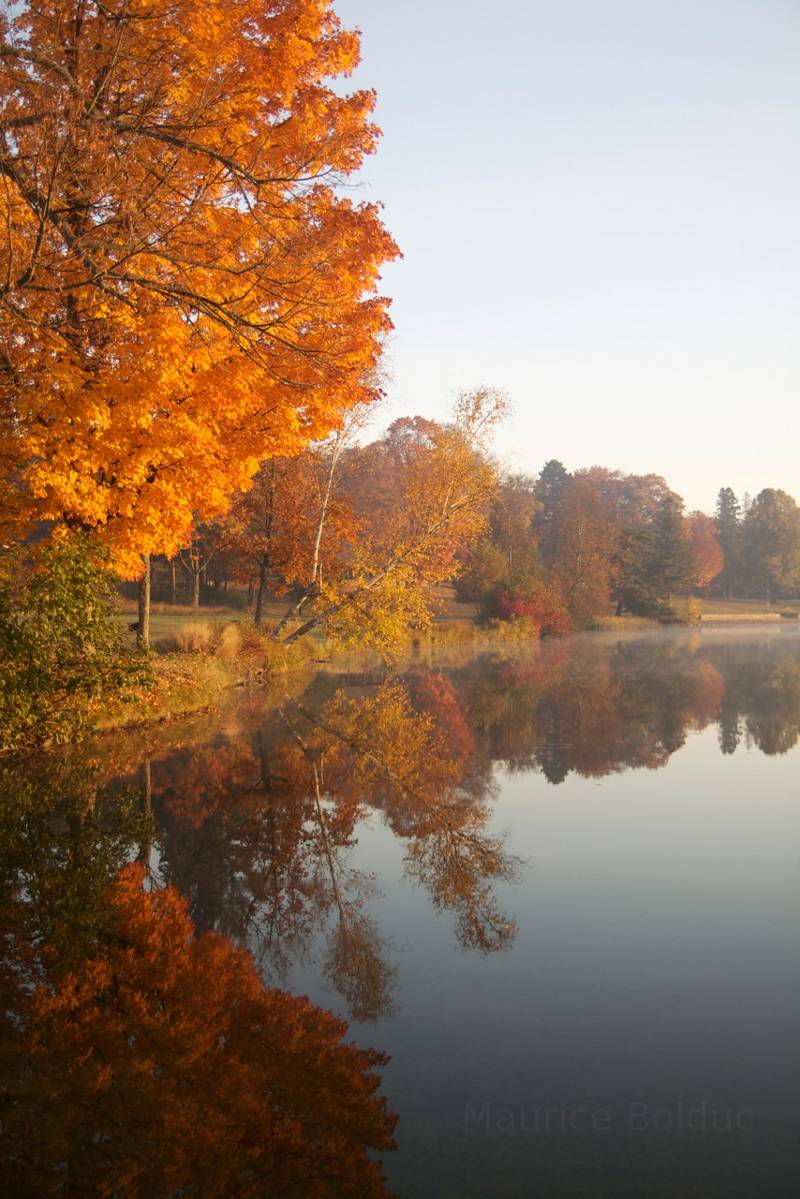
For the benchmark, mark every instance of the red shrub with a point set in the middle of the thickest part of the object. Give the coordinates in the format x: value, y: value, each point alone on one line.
x: 540, y: 603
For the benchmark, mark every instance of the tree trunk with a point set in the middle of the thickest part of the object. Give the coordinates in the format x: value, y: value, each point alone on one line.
x: 174, y: 581
x: 146, y: 794
x: 143, y: 631
x: 311, y: 589
x: 258, y: 618
x: 196, y: 589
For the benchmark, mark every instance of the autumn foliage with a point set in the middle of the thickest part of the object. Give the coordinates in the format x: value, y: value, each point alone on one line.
x: 409, y: 507
x: 539, y: 603
x: 161, y: 1064
x: 706, y: 549
x: 185, y: 290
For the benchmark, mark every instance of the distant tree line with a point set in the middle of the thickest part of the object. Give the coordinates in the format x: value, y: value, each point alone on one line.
x: 597, y: 537
x: 760, y: 542
x: 363, y: 533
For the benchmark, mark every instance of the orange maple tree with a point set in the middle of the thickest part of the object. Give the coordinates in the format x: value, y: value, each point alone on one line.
x: 185, y: 290
x: 707, y: 552
x: 294, y: 524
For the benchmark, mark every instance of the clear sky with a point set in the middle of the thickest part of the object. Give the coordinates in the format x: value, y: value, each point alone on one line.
x: 598, y: 202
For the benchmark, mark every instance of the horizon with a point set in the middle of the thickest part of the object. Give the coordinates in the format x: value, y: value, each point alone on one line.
x: 643, y: 266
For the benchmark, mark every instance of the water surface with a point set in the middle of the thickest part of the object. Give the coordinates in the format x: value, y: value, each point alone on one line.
x: 558, y: 888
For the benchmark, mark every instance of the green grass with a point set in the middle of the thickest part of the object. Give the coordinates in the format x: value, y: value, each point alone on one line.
x: 166, y: 619
x: 721, y: 606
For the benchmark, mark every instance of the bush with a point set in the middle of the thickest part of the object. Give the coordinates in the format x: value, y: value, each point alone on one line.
x: 485, y: 566
x: 61, y: 652
x: 195, y: 637
x: 229, y: 645
x: 539, y: 603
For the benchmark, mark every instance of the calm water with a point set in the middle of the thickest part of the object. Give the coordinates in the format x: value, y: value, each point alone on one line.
x: 560, y: 891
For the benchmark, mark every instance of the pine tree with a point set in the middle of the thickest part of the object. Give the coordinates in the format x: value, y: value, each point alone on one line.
x: 551, y: 489
x: 654, y: 563
x: 729, y: 532
x: 670, y: 566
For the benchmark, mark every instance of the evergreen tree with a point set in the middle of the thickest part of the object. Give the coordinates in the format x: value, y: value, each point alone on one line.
x: 670, y: 566
x: 654, y: 563
x: 633, y: 588
x: 551, y: 489
x: 729, y: 532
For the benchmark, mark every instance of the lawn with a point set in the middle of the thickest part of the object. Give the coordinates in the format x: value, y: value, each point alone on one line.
x: 741, y: 609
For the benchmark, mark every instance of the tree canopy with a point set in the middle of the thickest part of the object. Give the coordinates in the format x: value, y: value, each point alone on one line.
x: 186, y: 291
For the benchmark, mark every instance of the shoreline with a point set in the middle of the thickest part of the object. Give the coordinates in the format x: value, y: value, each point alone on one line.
x: 205, y: 682
x: 191, y: 685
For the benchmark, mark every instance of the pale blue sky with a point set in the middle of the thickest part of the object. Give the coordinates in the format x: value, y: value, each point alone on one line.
x: 598, y: 203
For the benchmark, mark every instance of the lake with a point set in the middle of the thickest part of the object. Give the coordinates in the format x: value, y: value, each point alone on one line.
x: 557, y: 887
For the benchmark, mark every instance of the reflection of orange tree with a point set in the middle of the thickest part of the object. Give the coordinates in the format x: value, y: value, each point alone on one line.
x: 435, y: 693
x: 355, y: 964
x: 258, y: 841
x: 382, y: 751
x: 245, y: 837
x: 161, y: 1064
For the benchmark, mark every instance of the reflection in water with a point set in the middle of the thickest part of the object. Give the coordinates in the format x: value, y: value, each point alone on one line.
x: 256, y: 829
x: 131, y: 1017
x: 595, y: 708
x: 141, y: 1059
x: 256, y: 833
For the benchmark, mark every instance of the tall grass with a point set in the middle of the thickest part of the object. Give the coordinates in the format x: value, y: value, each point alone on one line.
x: 195, y: 637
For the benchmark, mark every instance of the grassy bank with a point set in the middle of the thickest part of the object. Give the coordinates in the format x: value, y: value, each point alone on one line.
x: 196, y: 663
x: 201, y: 657
x: 183, y: 684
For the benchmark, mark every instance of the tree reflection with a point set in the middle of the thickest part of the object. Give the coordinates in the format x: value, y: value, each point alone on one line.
x: 141, y: 1052
x: 140, y: 1058
x: 594, y: 707
x: 257, y: 829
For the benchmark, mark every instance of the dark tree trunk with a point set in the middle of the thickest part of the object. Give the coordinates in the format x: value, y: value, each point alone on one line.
x: 258, y: 617
x: 196, y: 589
x: 143, y: 631
x: 174, y: 581
x: 146, y: 794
